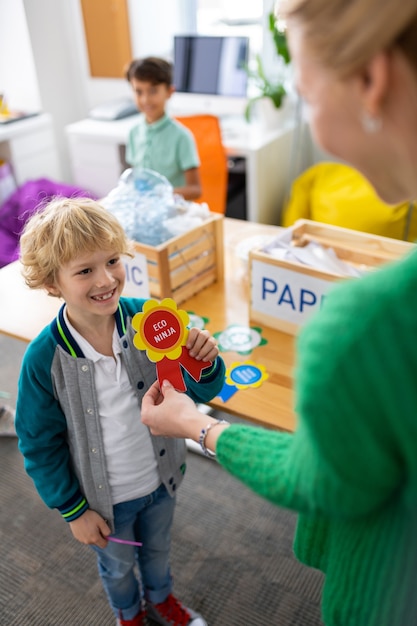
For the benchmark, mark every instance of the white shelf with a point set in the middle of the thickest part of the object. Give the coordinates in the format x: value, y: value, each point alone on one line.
x: 29, y: 145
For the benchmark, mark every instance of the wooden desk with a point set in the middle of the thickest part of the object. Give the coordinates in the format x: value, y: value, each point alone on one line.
x: 24, y: 312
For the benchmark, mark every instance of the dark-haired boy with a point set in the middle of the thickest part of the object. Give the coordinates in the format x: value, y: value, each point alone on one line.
x: 158, y: 142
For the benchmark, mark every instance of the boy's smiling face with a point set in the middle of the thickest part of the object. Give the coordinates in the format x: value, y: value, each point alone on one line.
x: 91, y: 286
x: 151, y: 99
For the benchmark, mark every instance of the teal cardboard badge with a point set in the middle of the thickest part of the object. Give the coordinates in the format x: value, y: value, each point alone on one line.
x: 242, y: 376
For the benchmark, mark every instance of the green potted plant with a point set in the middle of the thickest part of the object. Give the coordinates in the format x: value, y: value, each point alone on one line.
x: 274, y: 90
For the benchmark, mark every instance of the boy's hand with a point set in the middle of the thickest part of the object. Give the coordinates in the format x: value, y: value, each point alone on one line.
x: 90, y: 528
x: 202, y: 345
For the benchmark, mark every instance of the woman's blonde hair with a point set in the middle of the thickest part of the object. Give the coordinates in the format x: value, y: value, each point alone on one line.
x: 64, y: 229
x: 345, y: 34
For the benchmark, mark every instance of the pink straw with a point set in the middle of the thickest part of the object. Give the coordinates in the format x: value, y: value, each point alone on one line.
x: 130, y: 543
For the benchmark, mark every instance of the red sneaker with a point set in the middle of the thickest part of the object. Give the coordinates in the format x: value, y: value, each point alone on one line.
x: 172, y: 613
x: 139, y: 620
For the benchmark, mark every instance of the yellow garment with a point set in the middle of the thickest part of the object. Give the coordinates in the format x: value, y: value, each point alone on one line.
x: 337, y: 194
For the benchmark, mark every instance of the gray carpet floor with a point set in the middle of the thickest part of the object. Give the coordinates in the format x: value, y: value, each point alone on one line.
x: 232, y: 556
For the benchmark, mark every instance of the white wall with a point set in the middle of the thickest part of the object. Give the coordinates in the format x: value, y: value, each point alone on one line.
x: 18, y: 76
x: 60, y: 82
x: 166, y: 17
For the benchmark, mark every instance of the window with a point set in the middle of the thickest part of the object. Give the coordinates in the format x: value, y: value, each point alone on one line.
x: 242, y: 18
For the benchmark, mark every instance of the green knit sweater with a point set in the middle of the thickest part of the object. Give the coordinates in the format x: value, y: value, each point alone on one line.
x: 350, y: 469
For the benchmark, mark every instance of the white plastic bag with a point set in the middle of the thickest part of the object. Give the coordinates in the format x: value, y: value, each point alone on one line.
x: 145, y: 204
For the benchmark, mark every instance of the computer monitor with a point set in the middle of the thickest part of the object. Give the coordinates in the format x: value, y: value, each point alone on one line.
x: 211, y: 65
x: 210, y: 70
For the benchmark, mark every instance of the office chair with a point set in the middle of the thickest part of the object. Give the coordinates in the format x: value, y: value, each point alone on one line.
x: 213, y: 168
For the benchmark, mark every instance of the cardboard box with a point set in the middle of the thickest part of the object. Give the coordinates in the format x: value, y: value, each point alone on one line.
x: 183, y: 265
x: 284, y: 294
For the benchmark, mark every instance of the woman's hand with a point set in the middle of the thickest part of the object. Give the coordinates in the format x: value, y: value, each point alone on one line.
x: 172, y: 414
x: 90, y: 528
x: 201, y: 345
x: 169, y: 412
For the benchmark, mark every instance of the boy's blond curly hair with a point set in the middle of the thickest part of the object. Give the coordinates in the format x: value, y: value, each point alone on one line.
x: 63, y: 229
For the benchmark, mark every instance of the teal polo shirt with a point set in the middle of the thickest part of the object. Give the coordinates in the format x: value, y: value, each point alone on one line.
x: 165, y: 146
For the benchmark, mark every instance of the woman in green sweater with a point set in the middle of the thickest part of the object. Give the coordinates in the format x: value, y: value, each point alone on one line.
x: 350, y: 469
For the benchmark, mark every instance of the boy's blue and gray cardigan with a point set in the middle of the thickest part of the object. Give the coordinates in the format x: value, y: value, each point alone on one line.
x: 58, y: 423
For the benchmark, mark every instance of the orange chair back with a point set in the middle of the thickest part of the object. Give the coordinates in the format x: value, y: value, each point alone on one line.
x: 213, y: 168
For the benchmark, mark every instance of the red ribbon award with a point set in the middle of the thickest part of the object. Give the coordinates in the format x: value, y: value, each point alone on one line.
x: 161, y: 330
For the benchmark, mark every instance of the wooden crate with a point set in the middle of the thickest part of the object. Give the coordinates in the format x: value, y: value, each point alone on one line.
x: 183, y: 265
x: 284, y: 294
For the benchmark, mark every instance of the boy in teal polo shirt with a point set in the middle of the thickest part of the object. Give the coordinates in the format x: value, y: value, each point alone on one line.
x: 158, y: 142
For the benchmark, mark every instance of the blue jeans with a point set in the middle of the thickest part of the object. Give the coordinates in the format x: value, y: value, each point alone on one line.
x: 148, y: 520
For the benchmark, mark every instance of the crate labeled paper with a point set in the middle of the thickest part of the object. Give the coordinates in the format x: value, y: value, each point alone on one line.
x: 184, y: 265
x: 285, y: 293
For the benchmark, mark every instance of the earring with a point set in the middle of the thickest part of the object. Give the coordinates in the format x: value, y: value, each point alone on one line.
x: 370, y: 124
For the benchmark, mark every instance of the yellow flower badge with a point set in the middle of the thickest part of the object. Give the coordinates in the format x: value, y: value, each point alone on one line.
x: 161, y: 330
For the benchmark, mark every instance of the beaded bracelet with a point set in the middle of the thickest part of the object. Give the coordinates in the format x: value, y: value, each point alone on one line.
x: 203, y: 434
